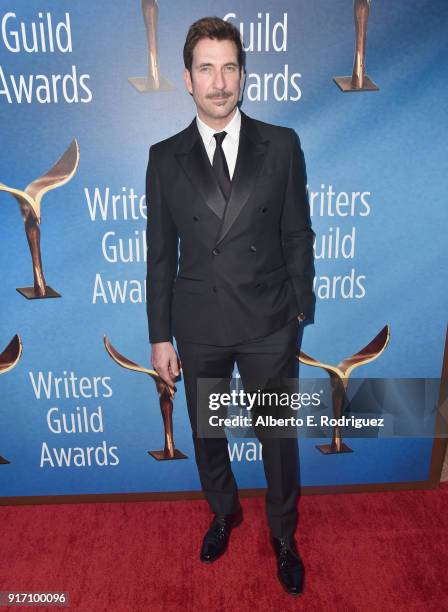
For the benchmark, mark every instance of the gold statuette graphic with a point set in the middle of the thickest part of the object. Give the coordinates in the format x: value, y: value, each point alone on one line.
x: 166, y: 399
x: 29, y: 203
x: 8, y: 360
x: 154, y: 81
x: 339, y: 376
x: 359, y: 81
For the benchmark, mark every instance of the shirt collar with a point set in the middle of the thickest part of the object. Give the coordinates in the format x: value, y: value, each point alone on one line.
x: 232, y: 128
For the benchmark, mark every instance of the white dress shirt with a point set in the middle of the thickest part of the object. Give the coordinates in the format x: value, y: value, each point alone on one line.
x: 230, y: 142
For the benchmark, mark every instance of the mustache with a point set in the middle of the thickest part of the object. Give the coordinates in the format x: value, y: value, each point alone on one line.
x: 219, y: 94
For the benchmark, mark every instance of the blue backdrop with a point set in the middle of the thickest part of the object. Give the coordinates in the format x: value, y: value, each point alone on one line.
x: 384, y: 151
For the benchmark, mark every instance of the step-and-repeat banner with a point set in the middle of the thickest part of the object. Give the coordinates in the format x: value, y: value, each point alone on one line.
x: 85, y: 89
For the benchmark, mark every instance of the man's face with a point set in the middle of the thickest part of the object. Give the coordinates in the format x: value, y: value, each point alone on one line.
x: 215, y: 80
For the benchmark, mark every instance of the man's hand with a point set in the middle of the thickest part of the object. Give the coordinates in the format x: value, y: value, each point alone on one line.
x: 165, y: 361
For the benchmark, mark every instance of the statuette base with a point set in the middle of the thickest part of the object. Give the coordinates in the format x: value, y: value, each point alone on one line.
x: 328, y: 449
x: 345, y: 84
x: 146, y: 84
x: 160, y: 455
x: 31, y: 294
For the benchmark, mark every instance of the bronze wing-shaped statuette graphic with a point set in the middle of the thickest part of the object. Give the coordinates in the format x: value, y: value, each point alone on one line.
x: 339, y: 377
x: 359, y: 81
x: 166, y: 399
x: 154, y: 81
x: 9, y: 358
x: 30, y: 208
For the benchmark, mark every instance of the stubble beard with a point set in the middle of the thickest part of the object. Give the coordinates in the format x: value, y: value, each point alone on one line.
x: 219, y: 111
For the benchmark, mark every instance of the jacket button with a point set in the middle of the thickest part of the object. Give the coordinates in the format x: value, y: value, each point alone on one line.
x: 214, y: 289
x: 216, y: 251
x: 252, y: 248
x: 196, y: 218
x: 264, y: 209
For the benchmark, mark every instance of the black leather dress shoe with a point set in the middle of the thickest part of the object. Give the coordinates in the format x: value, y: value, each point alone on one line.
x: 290, y: 569
x: 217, y: 537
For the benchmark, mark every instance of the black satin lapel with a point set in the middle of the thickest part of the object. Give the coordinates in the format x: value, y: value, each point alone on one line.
x: 248, y: 164
x: 197, y: 167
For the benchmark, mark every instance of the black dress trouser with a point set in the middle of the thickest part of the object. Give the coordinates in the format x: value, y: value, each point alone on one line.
x: 258, y: 361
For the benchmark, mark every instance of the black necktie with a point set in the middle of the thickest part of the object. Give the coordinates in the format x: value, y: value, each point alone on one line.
x: 220, y: 165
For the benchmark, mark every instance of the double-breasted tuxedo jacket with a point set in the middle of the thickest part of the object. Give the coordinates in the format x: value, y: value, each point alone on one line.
x: 226, y: 278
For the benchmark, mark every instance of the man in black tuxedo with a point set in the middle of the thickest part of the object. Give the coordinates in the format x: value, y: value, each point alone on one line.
x: 230, y: 273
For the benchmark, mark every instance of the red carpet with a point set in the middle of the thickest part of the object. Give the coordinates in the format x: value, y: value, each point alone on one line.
x: 373, y: 552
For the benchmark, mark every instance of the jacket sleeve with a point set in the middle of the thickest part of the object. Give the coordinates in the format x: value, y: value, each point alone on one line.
x: 296, y: 232
x: 162, y: 256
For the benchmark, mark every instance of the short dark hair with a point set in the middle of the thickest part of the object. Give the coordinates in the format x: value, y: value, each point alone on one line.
x: 211, y: 27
